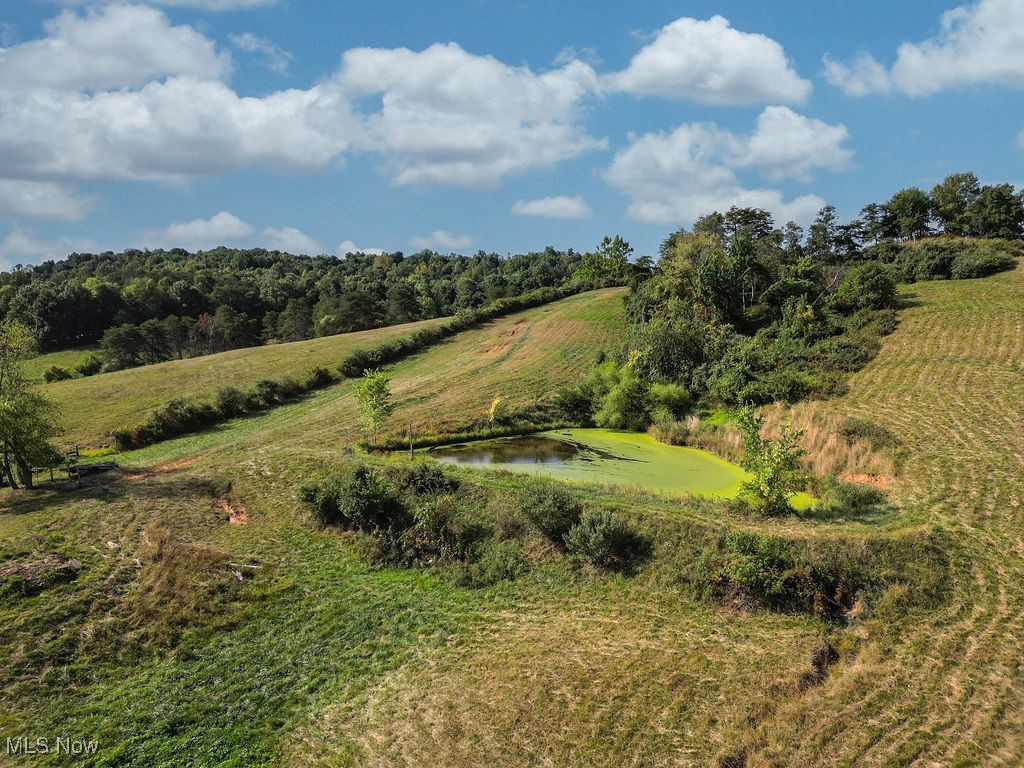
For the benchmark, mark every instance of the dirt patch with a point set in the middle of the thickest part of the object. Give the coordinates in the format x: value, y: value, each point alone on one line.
x: 236, y: 512
x: 164, y: 469
x: 36, y: 575
x: 882, y: 482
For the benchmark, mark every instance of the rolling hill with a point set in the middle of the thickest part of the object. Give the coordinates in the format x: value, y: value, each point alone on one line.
x: 309, y: 656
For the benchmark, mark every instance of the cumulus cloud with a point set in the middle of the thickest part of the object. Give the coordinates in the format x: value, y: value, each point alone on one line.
x: 979, y: 43
x: 133, y: 97
x: 117, y: 46
x: 203, y: 5
x: 277, y: 59
x: 560, y: 207
x: 168, y: 130
x: 440, y: 240
x: 711, y: 62
x: 290, y: 240
x: 786, y: 144
x: 217, y: 5
x: 452, y: 117
x: 199, y: 234
x: 39, y: 199
x: 347, y: 246
x: 25, y: 247
x: 679, y: 176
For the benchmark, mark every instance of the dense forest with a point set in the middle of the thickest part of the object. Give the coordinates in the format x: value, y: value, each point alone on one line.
x: 153, y: 305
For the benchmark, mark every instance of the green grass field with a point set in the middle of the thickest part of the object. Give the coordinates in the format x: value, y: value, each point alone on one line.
x: 65, y: 358
x: 186, y: 640
x: 96, y: 405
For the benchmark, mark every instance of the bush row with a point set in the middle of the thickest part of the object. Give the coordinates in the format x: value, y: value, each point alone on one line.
x: 421, y: 516
x: 947, y: 258
x: 391, y: 351
x: 181, y: 415
x: 418, y: 515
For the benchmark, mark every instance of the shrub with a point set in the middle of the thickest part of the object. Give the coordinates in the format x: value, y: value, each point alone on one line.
x: 57, y: 373
x: 501, y: 561
x: 365, y: 500
x: 577, y: 403
x: 361, y: 500
x: 870, y: 285
x: 231, y: 402
x: 444, y: 533
x: 288, y: 388
x: 181, y: 415
x: 672, y: 398
x: 427, y: 477
x: 266, y: 392
x: 604, y: 539
x: 318, y: 378
x: 550, y: 508
x: 857, y: 497
x: 626, y: 406
x: 773, y: 572
x: 89, y: 365
x: 854, y: 428
x: 980, y: 263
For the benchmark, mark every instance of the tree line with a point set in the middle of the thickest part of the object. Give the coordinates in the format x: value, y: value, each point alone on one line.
x: 740, y: 311
x: 152, y: 305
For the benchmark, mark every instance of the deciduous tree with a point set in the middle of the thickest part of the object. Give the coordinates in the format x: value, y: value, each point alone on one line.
x: 28, y: 421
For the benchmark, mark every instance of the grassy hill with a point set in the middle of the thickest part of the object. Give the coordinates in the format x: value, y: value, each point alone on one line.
x: 188, y: 640
x: 95, y: 405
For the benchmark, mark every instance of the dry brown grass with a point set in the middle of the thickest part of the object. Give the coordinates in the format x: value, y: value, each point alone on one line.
x: 828, y: 452
x: 579, y: 684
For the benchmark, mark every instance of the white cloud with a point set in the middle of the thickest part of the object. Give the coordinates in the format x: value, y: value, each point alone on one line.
x: 216, y: 5
x: 441, y: 240
x: 117, y: 46
x: 979, y: 43
x: 224, y: 228
x: 24, y: 247
x: 169, y: 130
x: 677, y: 177
x: 290, y: 240
x: 560, y: 207
x: 863, y: 76
x: 277, y: 59
x: 39, y: 199
x: 203, y: 5
x: 786, y: 144
x: 347, y: 246
x: 450, y: 117
x: 711, y: 62
x: 199, y: 234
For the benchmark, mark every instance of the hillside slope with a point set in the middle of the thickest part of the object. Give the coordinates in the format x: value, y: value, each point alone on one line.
x: 946, y: 689
x: 95, y: 405
x: 322, y: 660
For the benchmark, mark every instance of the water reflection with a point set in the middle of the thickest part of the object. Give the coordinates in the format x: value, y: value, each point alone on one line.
x: 518, y: 450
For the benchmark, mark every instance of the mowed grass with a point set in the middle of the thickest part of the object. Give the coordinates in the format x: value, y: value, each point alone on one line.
x: 948, y: 688
x: 94, y: 406
x: 319, y: 660
x: 65, y: 358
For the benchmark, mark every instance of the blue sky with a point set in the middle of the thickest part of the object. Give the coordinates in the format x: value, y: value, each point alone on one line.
x: 320, y: 127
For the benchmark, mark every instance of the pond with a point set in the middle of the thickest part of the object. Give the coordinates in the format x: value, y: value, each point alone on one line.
x: 629, y: 459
